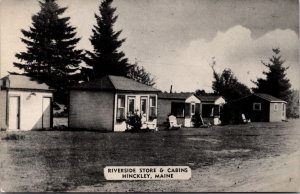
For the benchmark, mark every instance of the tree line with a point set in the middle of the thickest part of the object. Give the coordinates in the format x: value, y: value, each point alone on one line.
x: 275, y: 83
x: 51, y: 56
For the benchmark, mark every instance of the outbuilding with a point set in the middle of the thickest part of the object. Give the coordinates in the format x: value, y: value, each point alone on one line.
x: 105, y: 103
x: 25, y: 103
x: 182, y: 105
x: 211, y: 108
x: 260, y: 107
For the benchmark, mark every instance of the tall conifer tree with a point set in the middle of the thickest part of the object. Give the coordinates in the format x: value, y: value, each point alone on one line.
x: 106, y: 59
x: 275, y: 83
x: 51, y: 55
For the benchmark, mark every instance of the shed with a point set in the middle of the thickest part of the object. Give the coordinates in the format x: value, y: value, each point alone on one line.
x: 211, y: 108
x: 105, y: 103
x: 181, y: 105
x: 25, y: 103
x: 260, y: 107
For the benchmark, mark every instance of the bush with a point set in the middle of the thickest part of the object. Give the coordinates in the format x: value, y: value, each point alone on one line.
x: 134, y: 121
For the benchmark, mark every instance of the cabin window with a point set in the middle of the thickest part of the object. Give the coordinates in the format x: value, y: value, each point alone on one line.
x: 152, y: 106
x: 256, y: 106
x: 177, y: 109
x: 275, y: 106
x: 121, y: 107
x: 131, y: 105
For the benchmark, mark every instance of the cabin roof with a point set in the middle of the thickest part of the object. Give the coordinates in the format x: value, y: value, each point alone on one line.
x: 114, y: 83
x: 23, y: 82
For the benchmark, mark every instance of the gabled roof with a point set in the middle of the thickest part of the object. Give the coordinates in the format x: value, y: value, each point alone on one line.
x: 178, y: 96
x: 209, y: 98
x: 23, y: 82
x: 268, y: 97
x: 114, y: 83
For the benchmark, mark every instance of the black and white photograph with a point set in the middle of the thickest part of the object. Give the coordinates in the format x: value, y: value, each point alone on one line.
x: 149, y: 96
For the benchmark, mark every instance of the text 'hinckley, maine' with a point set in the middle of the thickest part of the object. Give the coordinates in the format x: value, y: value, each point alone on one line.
x: 147, y: 172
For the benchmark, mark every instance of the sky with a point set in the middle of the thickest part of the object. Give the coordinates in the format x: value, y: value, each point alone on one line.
x: 176, y: 40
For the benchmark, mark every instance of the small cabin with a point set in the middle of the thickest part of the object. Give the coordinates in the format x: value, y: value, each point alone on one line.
x: 182, y: 105
x: 25, y: 103
x: 260, y: 107
x: 211, y: 108
x: 105, y: 103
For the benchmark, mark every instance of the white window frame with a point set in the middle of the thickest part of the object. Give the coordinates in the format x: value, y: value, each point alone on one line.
x: 119, y: 104
x: 151, y: 105
x: 257, y: 103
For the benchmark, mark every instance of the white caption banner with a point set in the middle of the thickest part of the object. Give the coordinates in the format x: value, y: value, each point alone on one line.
x: 147, y: 172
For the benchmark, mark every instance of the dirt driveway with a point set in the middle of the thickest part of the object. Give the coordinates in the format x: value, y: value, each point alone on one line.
x: 272, y: 174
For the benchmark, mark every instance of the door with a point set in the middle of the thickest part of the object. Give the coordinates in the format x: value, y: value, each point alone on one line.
x: 144, y: 106
x: 14, y: 112
x: 131, y: 105
x: 46, y: 120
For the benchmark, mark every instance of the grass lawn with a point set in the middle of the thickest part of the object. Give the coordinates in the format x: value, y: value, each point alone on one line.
x: 63, y: 160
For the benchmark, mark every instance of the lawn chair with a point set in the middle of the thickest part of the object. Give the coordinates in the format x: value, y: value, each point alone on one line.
x: 146, y: 125
x: 173, y: 122
x: 244, y: 120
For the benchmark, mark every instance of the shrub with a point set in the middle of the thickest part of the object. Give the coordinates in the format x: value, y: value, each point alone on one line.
x: 134, y: 121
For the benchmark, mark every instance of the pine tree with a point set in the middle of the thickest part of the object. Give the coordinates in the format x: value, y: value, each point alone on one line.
x: 275, y: 83
x: 51, y: 55
x: 106, y: 58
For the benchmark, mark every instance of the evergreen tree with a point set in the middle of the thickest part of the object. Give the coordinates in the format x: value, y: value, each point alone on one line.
x: 106, y: 58
x: 275, y: 83
x: 139, y: 74
x: 51, y: 55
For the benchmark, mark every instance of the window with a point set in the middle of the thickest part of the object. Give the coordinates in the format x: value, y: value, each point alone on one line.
x: 121, y: 107
x: 275, y: 106
x: 177, y: 109
x: 152, y: 106
x: 131, y: 105
x: 256, y: 106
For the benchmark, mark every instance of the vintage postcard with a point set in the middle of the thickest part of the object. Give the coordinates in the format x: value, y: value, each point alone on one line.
x: 149, y: 96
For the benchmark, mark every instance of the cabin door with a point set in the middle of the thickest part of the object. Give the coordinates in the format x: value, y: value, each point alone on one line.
x: 14, y: 112
x: 144, y: 106
x: 46, y: 120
